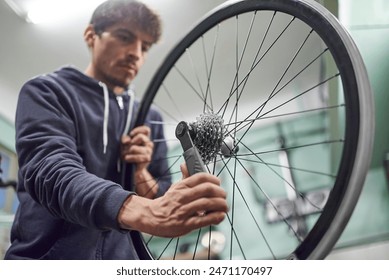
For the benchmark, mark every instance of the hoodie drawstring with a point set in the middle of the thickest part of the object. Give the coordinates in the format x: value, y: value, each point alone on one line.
x: 126, y: 130
x: 131, y: 94
x: 106, y: 116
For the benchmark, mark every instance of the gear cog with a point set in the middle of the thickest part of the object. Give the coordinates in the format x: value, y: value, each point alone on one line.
x: 208, y: 134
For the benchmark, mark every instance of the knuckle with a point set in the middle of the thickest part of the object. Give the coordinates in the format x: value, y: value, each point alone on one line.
x: 202, y: 176
x: 209, y: 190
x: 147, y: 130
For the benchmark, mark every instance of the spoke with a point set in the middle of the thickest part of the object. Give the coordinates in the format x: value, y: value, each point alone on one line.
x: 168, y: 113
x: 196, y: 244
x: 236, y: 237
x: 148, y: 241
x: 164, y: 250
x: 162, y: 123
x: 195, y: 73
x: 165, y: 174
x: 209, y: 242
x: 208, y: 90
x: 176, y: 249
x: 165, y: 140
x: 236, y: 110
x: 236, y: 107
x: 233, y: 205
x: 326, y: 142
x: 172, y: 101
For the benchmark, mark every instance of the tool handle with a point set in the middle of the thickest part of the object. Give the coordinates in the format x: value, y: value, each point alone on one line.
x: 193, y: 161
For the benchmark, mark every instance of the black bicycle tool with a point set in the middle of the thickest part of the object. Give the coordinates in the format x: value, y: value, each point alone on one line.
x: 192, y: 156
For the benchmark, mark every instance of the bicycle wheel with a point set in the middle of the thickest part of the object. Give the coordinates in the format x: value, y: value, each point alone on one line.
x: 291, y: 89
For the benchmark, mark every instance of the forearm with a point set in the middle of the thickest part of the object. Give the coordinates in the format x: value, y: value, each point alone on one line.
x: 72, y: 194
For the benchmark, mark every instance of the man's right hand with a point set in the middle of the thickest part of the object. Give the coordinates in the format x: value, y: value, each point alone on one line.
x: 194, y: 202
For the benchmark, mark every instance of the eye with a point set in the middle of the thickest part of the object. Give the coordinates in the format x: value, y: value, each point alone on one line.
x: 146, y: 47
x: 125, y: 38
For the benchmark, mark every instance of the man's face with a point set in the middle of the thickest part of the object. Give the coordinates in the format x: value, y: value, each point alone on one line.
x: 117, y: 54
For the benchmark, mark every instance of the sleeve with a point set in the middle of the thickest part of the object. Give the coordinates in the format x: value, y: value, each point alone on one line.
x: 52, y: 170
x: 159, y: 167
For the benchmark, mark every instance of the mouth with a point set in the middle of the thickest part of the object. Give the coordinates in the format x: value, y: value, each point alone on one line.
x: 131, y: 69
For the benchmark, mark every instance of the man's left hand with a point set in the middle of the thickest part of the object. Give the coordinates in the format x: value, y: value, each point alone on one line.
x: 137, y: 147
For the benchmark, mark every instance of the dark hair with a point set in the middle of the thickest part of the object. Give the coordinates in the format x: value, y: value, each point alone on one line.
x: 112, y: 12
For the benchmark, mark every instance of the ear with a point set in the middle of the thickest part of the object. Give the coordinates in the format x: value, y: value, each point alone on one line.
x: 89, y: 36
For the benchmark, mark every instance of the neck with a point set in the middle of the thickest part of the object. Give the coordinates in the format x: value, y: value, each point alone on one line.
x: 90, y: 71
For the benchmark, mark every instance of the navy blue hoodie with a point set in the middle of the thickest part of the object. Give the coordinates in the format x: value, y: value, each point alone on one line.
x: 68, y: 131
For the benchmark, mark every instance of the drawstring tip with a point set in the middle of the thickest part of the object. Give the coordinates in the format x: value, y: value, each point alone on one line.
x: 119, y: 167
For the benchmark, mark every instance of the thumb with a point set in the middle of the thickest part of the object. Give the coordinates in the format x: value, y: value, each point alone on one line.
x: 184, y: 171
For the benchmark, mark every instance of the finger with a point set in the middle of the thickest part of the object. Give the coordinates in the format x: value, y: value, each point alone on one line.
x: 190, y: 197
x: 126, y: 140
x: 206, y: 190
x: 145, y: 130
x: 138, y: 149
x: 207, y: 205
x: 134, y: 149
x: 141, y: 139
x: 213, y: 218
x: 199, y: 178
x: 137, y: 158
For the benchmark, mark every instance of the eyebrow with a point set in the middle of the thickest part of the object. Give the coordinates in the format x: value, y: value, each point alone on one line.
x: 129, y: 32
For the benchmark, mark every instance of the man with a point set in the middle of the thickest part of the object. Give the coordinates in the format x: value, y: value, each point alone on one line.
x: 71, y: 136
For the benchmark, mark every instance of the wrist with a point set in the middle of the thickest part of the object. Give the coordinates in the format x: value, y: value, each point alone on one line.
x: 146, y: 185
x: 132, y: 213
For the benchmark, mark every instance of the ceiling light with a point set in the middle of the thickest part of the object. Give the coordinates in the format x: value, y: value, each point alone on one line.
x: 49, y: 11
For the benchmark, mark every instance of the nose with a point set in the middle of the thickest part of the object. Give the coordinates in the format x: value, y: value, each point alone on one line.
x: 135, y: 50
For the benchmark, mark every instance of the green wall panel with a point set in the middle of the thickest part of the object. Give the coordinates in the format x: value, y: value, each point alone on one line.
x: 368, y: 24
x: 374, y: 46
x: 7, y: 134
